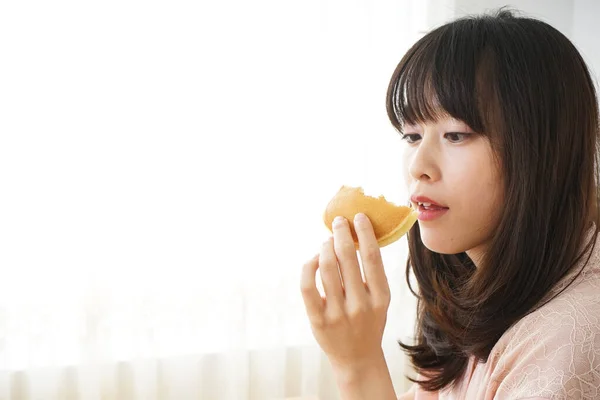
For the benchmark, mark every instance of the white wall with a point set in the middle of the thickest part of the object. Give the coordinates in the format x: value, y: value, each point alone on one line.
x: 586, y: 32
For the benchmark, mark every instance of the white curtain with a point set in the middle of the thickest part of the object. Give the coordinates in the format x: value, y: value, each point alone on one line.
x: 164, y: 168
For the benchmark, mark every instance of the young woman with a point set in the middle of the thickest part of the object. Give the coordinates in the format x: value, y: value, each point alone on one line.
x: 499, y: 117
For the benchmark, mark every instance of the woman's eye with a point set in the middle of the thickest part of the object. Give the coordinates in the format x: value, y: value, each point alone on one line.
x: 411, y: 137
x: 456, y: 137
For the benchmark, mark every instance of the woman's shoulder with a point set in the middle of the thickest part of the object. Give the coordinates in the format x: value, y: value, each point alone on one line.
x: 556, y: 348
x: 572, y: 314
x: 554, y: 352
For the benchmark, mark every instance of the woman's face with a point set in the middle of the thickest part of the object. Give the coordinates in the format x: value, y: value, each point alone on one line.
x: 453, y: 168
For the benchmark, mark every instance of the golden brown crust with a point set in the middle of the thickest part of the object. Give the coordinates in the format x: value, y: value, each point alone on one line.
x: 390, y: 221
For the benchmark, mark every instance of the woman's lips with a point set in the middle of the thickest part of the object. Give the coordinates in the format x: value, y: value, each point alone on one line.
x: 429, y: 213
x: 428, y: 209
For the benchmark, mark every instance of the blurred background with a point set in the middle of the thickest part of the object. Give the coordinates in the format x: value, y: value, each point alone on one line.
x: 164, y: 169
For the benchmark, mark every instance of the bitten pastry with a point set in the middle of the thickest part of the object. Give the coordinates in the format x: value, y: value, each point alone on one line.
x: 390, y: 221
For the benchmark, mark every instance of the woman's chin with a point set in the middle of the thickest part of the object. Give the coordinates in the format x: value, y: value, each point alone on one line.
x: 442, y: 244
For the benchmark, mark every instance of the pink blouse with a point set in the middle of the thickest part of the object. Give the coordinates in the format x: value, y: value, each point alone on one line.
x: 552, y: 353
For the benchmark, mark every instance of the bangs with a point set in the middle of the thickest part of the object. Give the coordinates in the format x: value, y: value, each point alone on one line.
x: 438, y: 78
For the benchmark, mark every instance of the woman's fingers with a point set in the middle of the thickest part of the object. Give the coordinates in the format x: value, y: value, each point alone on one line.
x: 340, y: 272
x: 345, y: 252
x: 330, y: 276
x: 370, y: 255
x: 310, y: 294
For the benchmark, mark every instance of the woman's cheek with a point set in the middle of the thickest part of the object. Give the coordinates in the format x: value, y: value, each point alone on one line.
x: 406, y: 157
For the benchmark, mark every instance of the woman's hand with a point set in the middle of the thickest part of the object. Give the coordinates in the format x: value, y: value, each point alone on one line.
x: 348, y: 323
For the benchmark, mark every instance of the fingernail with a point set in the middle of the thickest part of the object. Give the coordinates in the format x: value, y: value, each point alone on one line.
x: 360, y: 218
x: 338, y: 221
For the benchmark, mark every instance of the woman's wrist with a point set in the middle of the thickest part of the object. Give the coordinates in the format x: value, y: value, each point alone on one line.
x: 369, y: 379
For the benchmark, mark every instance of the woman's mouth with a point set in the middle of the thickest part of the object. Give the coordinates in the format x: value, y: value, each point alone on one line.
x: 428, y: 209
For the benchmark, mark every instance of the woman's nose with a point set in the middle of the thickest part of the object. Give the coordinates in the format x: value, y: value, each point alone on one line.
x: 423, y: 164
